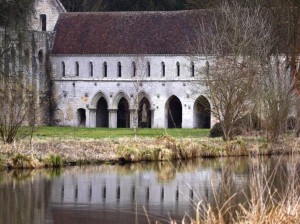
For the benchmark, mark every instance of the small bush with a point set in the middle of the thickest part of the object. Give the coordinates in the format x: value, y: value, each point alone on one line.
x: 216, y: 131
x: 249, y: 122
x: 22, y: 161
x: 167, y: 141
x: 53, y: 161
x: 129, y: 153
x: 236, y: 147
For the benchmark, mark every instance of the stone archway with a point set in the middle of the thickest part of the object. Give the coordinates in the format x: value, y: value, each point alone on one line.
x: 102, y: 113
x: 123, y: 114
x: 144, y: 113
x: 202, y: 113
x: 81, y: 117
x: 173, y: 111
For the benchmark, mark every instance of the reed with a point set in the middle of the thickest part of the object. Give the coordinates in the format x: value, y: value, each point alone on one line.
x: 53, y: 160
x: 45, y: 152
x: 265, y: 205
x: 23, y: 161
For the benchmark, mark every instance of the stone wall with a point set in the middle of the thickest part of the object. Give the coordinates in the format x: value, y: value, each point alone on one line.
x: 50, y: 8
x: 82, y: 91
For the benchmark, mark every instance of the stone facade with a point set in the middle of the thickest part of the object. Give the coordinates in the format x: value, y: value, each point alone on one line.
x: 82, y: 91
x: 86, y: 77
x: 46, y: 14
x: 126, y: 69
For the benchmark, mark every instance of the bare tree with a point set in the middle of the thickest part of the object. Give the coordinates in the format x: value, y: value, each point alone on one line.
x: 276, y: 96
x: 17, y: 94
x: 286, y: 19
x: 17, y: 104
x: 139, y: 70
x: 238, y: 39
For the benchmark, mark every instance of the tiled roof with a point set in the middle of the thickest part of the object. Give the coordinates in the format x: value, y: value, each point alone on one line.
x: 127, y: 32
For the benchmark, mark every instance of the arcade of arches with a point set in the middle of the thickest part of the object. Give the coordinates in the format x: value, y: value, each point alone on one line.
x: 122, y: 115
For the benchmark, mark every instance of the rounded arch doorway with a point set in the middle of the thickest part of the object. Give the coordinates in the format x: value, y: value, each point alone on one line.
x: 173, y: 112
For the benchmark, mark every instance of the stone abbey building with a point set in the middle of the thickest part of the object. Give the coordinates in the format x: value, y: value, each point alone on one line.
x: 105, y: 69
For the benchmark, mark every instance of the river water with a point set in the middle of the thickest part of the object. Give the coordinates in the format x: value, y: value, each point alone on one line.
x: 135, y: 193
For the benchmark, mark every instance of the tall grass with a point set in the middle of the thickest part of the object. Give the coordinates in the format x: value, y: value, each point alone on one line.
x: 266, y: 204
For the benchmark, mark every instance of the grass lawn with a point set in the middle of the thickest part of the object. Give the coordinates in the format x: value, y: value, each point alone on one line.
x: 97, y: 133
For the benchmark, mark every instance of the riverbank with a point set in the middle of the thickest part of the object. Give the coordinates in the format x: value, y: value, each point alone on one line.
x: 56, y: 152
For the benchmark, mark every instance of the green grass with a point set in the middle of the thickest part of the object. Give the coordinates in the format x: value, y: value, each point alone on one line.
x: 98, y: 133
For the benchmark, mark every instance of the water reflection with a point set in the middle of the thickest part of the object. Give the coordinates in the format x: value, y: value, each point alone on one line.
x: 24, y: 196
x: 123, y: 194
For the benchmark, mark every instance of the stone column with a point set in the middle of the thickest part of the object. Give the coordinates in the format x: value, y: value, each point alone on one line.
x: 112, y: 116
x: 92, y: 117
x: 152, y: 118
x: 187, y: 112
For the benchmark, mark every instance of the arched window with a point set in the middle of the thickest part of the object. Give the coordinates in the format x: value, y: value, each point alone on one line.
x: 192, y: 69
x: 119, y: 69
x: 207, y: 67
x: 163, y: 69
x: 133, y: 69
x: 63, y: 68
x: 178, y: 68
x: 105, y: 69
x: 27, y: 58
x: 43, y: 20
x: 148, y: 69
x: 76, y: 68
x: 91, y: 68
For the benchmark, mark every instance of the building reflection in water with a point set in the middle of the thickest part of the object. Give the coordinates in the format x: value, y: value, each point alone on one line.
x: 118, y: 193
x: 122, y: 194
x: 24, y: 197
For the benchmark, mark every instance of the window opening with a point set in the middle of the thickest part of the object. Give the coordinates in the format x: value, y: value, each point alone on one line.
x: 77, y: 68
x: 63, y: 69
x: 178, y: 68
x: 133, y: 69
x: 119, y: 69
x: 43, y: 19
x: 91, y: 69
x: 148, y: 69
x: 192, y: 69
x: 163, y: 67
x: 105, y: 69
